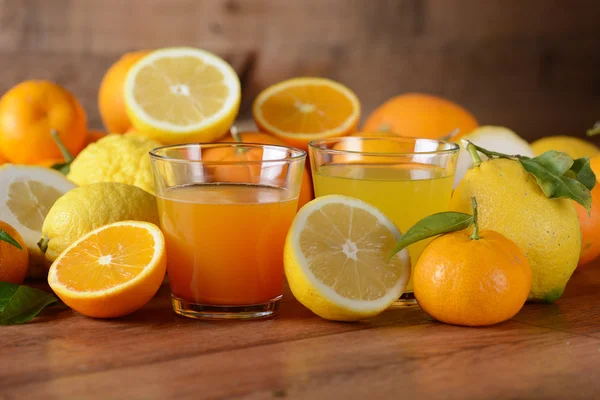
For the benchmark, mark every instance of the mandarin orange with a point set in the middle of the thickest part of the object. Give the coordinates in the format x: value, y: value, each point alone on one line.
x: 590, y: 223
x: 28, y: 114
x: 420, y: 115
x: 473, y: 282
x: 13, y: 261
x: 111, y: 98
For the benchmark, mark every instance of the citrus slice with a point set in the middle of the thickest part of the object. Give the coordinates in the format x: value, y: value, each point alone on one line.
x: 182, y: 95
x: 303, y: 109
x: 111, y: 271
x: 336, y: 255
x: 26, y: 195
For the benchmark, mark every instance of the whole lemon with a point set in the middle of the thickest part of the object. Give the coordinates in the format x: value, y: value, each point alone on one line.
x: 86, y: 208
x: 573, y: 146
x: 115, y: 158
x: 511, y: 203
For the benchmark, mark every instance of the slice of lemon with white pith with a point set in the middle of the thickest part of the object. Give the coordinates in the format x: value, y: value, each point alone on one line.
x: 26, y: 195
x: 182, y: 95
x: 336, y: 255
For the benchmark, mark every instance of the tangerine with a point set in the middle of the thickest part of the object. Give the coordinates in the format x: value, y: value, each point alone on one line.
x: 474, y: 280
x: 13, y: 261
x: 29, y: 112
x: 111, y: 97
x: 590, y: 223
x: 421, y: 115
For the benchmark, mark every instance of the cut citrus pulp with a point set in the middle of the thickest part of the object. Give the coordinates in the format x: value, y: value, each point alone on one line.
x: 26, y: 195
x: 303, y: 109
x: 336, y: 255
x: 182, y: 95
x: 111, y: 271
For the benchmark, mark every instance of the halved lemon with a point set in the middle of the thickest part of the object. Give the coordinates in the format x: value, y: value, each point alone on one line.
x: 111, y: 271
x: 303, y: 109
x: 26, y: 195
x: 335, y: 259
x: 182, y: 95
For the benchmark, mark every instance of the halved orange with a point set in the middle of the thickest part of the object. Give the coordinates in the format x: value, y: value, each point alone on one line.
x: 111, y: 271
x: 303, y: 109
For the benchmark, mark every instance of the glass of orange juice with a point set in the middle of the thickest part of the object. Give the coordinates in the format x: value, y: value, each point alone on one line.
x: 225, y: 210
x: 406, y: 178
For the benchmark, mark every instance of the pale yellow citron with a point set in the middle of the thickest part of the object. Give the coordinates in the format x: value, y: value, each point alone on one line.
x: 303, y: 109
x: 116, y: 158
x: 335, y: 259
x: 573, y: 146
x: 111, y: 271
x: 182, y: 95
x: 26, y: 195
x: 89, y: 207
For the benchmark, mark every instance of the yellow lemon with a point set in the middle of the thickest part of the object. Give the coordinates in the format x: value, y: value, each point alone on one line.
x: 26, y: 195
x: 573, y: 146
x: 111, y: 271
x: 115, y: 158
x: 511, y: 203
x: 92, y: 206
x: 335, y: 259
x: 182, y: 95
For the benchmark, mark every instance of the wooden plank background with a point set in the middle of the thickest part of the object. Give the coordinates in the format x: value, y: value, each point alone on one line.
x: 530, y: 65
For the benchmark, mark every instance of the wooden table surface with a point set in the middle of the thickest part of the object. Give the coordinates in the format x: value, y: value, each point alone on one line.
x: 545, y: 352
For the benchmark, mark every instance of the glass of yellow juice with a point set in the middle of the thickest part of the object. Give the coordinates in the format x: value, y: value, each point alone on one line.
x: 406, y: 178
x: 225, y: 210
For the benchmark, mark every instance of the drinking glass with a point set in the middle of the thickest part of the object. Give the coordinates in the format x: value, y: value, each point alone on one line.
x: 406, y: 178
x: 225, y: 209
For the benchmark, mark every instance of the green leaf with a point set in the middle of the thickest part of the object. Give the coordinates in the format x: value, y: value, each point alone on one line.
x: 584, y: 173
x: 19, y: 304
x: 63, y: 168
x: 555, y: 185
x: 9, y: 239
x: 433, y: 225
x: 556, y: 162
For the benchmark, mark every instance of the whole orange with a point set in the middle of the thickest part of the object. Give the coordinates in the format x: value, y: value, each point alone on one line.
x: 590, y: 223
x: 420, y: 115
x: 472, y: 282
x: 306, y: 190
x: 111, y: 101
x: 93, y: 136
x: 29, y: 111
x: 13, y: 261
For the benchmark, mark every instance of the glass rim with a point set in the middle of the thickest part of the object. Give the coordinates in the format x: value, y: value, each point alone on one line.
x: 297, y: 154
x: 313, y: 144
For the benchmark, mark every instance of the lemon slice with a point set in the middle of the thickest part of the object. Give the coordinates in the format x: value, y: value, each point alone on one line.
x: 335, y: 259
x: 182, y: 95
x: 111, y: 271
x: 26, y: 195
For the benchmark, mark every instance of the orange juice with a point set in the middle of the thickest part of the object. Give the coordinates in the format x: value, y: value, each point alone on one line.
x: 225, y: 241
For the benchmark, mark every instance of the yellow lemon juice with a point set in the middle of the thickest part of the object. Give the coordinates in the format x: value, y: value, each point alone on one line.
x: 406, y: 193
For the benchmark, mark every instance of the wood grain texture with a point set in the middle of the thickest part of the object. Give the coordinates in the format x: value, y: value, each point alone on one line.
x: 545, y: 352
x: 532, y: 66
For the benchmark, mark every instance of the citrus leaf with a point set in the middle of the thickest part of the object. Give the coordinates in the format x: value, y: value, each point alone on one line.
x: 433, y: 225
x: 584, y: 173
x: 557, y: 186
x: 556, y: 162
x: 63, y: 168
x: 19, y: 304
x: 9, y: 239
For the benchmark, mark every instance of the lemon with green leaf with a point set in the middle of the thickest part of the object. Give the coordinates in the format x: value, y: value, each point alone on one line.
x: 529, y: 200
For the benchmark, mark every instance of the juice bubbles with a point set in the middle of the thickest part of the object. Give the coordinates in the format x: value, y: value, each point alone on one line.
x: 225, y: 241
